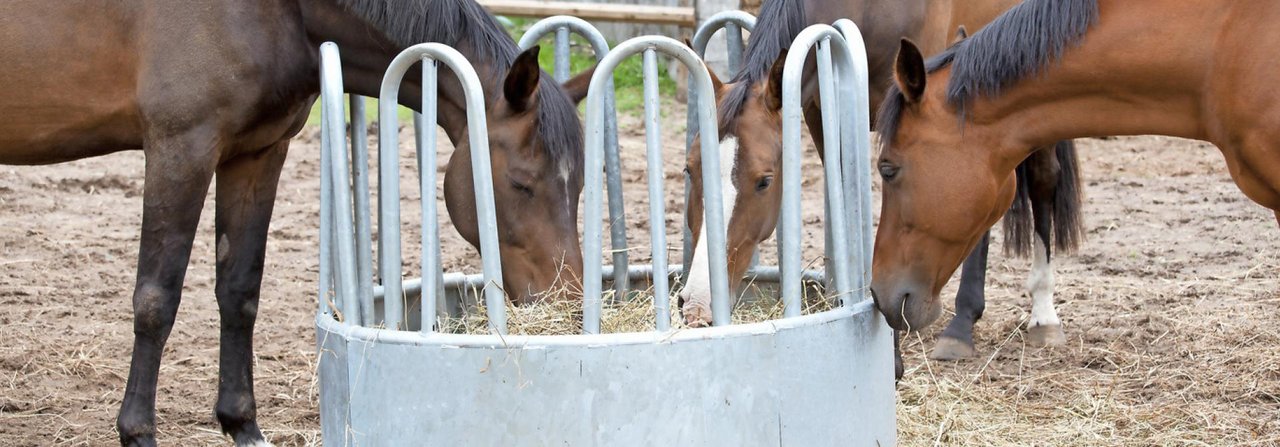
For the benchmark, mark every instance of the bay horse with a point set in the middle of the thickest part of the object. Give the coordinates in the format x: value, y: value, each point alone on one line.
x: 219, y: 88
x: 751, y: 149
x: 953, y: 129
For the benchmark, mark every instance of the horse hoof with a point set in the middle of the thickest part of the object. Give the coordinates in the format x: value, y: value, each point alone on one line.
x: 696, y: 322
x: 948, y: 348
x: 1048, y: 336
x: 696, y: 316
x: 140, y: 442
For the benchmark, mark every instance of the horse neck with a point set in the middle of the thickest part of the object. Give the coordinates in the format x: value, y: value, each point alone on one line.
x: 1140, y: 71
x: 367, y: 52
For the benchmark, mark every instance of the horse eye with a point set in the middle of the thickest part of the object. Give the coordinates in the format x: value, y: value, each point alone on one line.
x: 522, y: 188
x: 888, y: 171
x: 764, y: 183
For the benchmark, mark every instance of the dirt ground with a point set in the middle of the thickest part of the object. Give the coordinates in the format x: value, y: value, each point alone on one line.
x: 1170, y: 308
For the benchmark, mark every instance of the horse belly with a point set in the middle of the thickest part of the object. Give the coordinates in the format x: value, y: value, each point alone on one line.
x: 69, y: 80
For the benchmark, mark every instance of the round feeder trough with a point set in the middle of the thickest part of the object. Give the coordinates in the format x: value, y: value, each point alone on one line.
x: 386, y: 378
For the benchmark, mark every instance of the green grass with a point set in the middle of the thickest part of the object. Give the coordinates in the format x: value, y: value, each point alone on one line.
x: 627, y: 78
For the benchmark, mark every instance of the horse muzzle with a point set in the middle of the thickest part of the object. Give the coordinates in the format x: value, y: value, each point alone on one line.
x: 906, y: 306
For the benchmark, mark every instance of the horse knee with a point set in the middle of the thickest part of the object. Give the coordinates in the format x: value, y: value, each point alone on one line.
x: 154, y: 310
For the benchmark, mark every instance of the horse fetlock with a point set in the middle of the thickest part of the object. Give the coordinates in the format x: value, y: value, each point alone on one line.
x: 235, y: 408
x: 238, y: 417
x: 136, y: 428
x: 1050, y: 335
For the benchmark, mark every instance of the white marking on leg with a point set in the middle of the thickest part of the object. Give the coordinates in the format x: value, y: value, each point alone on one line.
x: 224, y: 248
x: 697, y: 288
x: 1040, y: 287
x: 257, y: 443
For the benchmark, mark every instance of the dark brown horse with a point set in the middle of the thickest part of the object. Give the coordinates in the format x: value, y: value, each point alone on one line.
x: 955, y: 128
x: 751, y: 146
x: 218, y: 88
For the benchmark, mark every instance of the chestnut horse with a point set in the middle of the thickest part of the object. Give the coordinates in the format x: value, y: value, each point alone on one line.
x: 955, y: 128
x: 219, y: 88
x: 751, y: 147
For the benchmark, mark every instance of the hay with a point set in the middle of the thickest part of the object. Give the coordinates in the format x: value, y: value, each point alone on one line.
x: 635, y: 314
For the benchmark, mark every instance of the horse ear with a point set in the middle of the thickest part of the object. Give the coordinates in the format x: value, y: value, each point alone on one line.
x: 909, y: 72
x: 578, y: 86
x: 716, y: 83
x: 522, y: 80
x: 773, y: 92
x: 961, y: 35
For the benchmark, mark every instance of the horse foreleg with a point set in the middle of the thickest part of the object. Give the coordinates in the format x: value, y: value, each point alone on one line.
x: 246, y: 192
x: 178, y: 171
x: 1044, y: 329
x: 956, y: 341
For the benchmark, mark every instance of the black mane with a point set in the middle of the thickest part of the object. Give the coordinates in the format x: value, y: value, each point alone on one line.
x: 1021, y: 43
x: 779, y: 23
x: 410, y: 22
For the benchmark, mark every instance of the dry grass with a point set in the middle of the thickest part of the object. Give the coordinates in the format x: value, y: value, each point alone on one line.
x: 636, y: 314
x: 1167, y: 377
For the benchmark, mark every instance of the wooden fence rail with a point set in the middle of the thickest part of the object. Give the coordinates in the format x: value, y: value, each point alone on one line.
x: 663, y: 15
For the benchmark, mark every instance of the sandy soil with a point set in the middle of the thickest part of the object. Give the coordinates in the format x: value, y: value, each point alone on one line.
x: 1170, y: 308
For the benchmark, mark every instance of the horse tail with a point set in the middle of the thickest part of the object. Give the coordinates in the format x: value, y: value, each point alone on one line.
x: 1019, y: 227
x: 1065, y: 219
x: 1068, y: 224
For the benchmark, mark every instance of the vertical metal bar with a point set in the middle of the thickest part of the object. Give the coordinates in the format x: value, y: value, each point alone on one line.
x: 326, y: 202
x: 686, y: 238
x: 360, y: 189
x: 657, y: 211
x: 790, y: 219
x: 838, y: 223
x: 856, y: 138
x: 617, y: 207
x: 389, y: 207
x: 562, y: 54
x: 335, y: 128
x: 431, y: 270
x: 593, y: 165
x: 736, y: 48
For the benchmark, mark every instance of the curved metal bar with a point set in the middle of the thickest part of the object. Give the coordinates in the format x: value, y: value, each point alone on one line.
x: 612, y: 163
x: 721, y: 20
x: 715, y: 23
x: 341, y: 233
x: 832, y: 50
x: 857, y: 169
x: 715, y: 219
x: 389, y: 186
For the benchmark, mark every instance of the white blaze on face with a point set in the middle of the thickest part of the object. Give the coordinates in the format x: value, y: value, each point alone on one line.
x: 1040, y: 287
x: 697, y: 288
